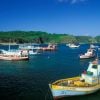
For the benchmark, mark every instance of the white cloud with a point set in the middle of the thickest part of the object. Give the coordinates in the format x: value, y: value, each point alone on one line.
x: 72, y: 1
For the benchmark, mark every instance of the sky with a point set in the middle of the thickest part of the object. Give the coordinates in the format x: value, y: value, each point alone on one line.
x: 77, y: 17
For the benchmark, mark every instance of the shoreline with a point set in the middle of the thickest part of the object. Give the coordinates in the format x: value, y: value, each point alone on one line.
x: 8, y: 43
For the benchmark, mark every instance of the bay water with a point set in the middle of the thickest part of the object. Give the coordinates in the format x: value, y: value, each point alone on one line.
x: 28, y: 80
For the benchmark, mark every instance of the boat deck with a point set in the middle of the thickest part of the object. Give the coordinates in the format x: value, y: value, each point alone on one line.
x: 73, y: 82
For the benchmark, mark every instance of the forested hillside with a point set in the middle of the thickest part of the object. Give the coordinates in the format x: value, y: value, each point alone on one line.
x: 44, y: 37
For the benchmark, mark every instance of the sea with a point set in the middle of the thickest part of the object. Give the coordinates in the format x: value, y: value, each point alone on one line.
x: 28, y: 80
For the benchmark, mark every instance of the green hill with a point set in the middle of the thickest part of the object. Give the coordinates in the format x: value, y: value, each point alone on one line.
x: 44, y: 37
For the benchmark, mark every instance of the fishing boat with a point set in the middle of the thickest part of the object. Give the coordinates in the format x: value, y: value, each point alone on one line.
x: 32, y: 49
x: 72, y: 45
x: 93, y: 46
x: 50, y: 47
x: 98, y: 48
x: 14, y: 55
x: 87, y: 83
x: 89, y: 54
x: 29, y: 46
x: 32, y: 52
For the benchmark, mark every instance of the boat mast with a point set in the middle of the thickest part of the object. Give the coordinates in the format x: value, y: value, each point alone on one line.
x: 9, y: 45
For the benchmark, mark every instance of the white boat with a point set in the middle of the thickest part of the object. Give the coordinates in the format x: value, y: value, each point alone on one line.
x: 93, y: 46
x: 72, y: 45
x: 14, y: 55
x: 27, y: 47
x: 11, y: 54
x: 32, y: 52
x: 87, y: 83
x: 89, y: 54
x: 98, y: 48
x: 32, y: 49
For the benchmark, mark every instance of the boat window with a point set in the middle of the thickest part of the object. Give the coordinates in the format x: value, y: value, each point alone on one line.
x: 94, y: 66
x: 89, y: 73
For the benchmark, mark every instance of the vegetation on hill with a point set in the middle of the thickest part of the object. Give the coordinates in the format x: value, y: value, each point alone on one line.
x: 44, y: 37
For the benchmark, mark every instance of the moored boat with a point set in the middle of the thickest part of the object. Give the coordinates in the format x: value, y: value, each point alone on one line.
x: 32, y: 49
x: 89, y: 54
x: 87, y: 83
x: 29, y: 47
x: 32, y: 52
x: 14, y: 55
x: 72, y: 45
x: 50, y: 47
x: 93, y: 46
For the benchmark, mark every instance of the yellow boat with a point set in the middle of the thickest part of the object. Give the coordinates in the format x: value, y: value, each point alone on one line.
x: 87, y: 83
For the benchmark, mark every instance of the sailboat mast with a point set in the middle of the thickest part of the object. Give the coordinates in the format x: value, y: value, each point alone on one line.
x: 9, y: 45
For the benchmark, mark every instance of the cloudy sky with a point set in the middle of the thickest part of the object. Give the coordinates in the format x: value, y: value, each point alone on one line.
x: 78, y: 17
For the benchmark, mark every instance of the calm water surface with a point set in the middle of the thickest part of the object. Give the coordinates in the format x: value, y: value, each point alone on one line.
x: 28, y: 80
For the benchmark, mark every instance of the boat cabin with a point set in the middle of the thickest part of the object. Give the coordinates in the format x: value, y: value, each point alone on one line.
x: 92, y: 75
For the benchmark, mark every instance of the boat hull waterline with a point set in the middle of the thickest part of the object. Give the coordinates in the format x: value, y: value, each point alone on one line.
x: 89, y: 54
x: 86, y: 57
x: 14, y: 58
x: 72, y: 91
